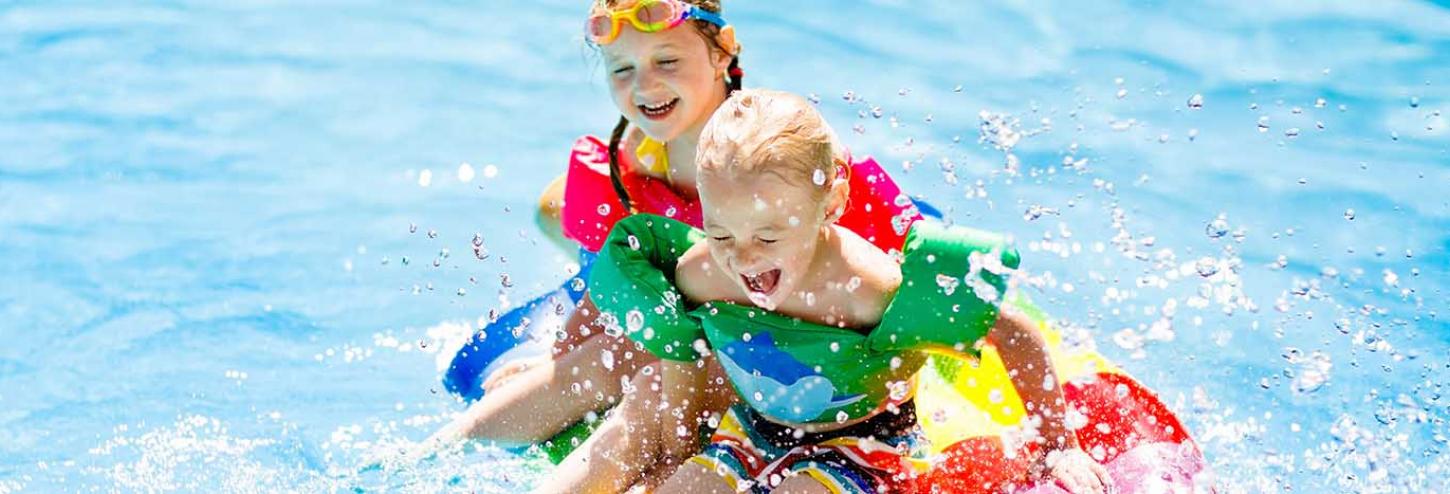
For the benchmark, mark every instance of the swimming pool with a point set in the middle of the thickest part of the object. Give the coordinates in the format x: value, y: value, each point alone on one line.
x: 237, y: 236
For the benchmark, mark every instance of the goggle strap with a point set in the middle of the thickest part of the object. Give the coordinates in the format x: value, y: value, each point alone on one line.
x: 693, y: 12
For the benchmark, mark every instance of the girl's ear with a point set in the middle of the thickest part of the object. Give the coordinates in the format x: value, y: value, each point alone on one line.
x: 726, y: 40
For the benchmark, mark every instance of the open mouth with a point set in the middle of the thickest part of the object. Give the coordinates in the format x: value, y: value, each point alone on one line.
x: 762, y: 283
x: 659, y: 111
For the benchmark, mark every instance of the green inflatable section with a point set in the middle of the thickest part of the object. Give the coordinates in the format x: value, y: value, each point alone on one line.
x: 953, y: 279
x: 634, y: 280
x: 796, y: 371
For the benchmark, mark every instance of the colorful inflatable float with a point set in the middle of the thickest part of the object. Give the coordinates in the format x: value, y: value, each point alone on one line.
x: 970, y: 412
x: 968, y: 409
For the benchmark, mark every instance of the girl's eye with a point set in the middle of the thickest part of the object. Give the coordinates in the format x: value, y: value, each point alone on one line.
x: 623, y: 70
x: 719, y: 239
x: 669, y: 61
x: 768, y: 241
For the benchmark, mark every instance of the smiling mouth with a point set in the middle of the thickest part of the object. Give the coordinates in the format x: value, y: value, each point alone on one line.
x: 658, y: 111
x: 762, y: 283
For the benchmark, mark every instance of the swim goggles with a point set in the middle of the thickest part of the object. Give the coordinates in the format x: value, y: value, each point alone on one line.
x: 647, y: 16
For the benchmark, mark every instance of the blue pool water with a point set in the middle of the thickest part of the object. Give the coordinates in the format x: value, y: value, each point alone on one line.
x: 211, y: 278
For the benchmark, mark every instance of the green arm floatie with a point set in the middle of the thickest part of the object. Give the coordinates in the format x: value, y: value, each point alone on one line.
x: 633, y: 280
x: 952, y: 280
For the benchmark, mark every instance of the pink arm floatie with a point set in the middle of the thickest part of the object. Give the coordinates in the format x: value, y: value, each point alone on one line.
x: 876, y: 208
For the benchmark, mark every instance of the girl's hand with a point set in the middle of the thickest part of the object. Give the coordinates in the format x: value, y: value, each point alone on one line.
x: 1078, y: 472
x: 512, y: 369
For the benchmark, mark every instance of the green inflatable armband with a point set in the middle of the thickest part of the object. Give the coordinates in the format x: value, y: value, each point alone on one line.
x: 633, y: 280
x: 952, y: 280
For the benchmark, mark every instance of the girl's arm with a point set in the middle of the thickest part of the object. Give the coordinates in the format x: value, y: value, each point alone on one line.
x: 1024, y: 354
x: 550, y: 215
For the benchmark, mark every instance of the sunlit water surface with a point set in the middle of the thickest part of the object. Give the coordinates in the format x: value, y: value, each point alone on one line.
x: 237, y: 235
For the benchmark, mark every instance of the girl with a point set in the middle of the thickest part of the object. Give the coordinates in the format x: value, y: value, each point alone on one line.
x: 670, y: 64
x: 819, y: 332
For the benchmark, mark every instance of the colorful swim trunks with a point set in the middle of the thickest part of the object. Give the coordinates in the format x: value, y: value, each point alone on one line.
x: 886, y: 453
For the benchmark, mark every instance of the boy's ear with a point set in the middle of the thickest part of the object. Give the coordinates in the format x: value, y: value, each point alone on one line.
x: 836, y: 199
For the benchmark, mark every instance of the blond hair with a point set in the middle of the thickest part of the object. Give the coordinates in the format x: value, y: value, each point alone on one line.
x: 765, y: 131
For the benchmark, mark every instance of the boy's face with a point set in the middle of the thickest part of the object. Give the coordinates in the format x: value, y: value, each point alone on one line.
x: 664, y: 82
x: 762, y: 231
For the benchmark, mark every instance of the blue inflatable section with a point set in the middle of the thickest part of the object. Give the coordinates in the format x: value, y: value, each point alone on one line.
x: 927, y: 210
x: 514, y: 335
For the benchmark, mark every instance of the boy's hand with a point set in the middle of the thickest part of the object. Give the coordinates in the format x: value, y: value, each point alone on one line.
x: 1078, y: 472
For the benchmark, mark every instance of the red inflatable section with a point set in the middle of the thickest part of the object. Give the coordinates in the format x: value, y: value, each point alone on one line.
x: 877, y: 210
x: 1123, y: 416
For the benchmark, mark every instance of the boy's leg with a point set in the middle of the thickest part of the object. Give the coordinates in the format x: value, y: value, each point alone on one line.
x: 694, y: 478
x: 619, y: 452
x: 801, y: 484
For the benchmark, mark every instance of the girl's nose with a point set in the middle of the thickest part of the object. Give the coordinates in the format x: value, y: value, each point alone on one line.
x: 645, y: 80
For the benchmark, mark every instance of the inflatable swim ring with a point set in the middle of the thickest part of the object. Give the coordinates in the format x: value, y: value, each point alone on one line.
x: 969, y: 410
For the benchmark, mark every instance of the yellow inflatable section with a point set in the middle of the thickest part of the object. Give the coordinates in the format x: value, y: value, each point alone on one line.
x: 959, y: 398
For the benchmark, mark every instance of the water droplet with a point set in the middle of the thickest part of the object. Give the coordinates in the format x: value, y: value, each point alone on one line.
x: 995, y: 395
x: 1263, y: 124
x: 852, y: 284
x: 1414, y: 102
x: 412, y: 228
x: 1122, y: 93
x: 1349, y: 214
x: 1216, y: 228
x: 1196, y: 101
x: 1320, y: 103
x: 603, y: 209
x: 633, y: 242
x: 849, y: 96
x: 841, y: 417
x: 1206, y: 266
x: 465, y: 172
x: 876, y: 112
x: 835, y: 347
x: 947, y: 283
x: 634, y: 320
x: 1121, y: 390
x: 425, y: 178
x: 490, y: 171
x: 1292, y: 132
x: 818, y: 177
x: 432, y: 233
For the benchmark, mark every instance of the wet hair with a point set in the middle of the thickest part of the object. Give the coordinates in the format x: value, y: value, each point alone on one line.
x: 773, y: 132
x: 733, y: 80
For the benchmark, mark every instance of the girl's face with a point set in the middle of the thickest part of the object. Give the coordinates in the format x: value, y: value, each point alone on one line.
x: 665, y: 82
x: 762, y: 231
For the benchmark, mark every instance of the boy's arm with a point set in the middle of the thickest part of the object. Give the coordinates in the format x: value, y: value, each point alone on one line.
x: 550, y: 214
x: 1024, y: 354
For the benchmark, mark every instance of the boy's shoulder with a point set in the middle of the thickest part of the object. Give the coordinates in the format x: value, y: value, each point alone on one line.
x: 869, y: 278
x: 699, y: 280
